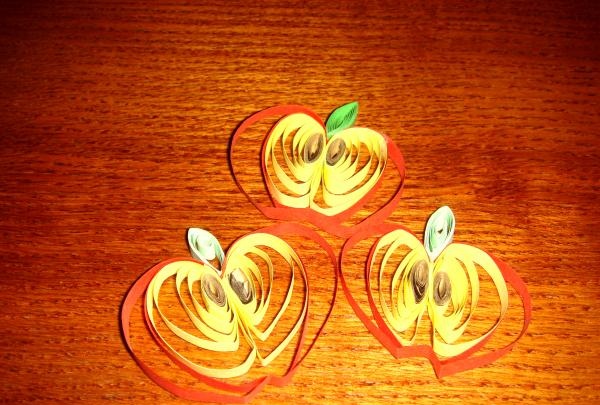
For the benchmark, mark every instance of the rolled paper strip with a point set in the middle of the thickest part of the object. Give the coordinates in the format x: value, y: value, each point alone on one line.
x: 439, y: 231
x: 205, y: 247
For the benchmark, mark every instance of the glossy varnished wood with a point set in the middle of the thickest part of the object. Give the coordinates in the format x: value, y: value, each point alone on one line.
x: 115, y: 119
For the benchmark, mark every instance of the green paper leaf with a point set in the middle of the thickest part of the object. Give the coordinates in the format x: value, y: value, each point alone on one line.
x: 204, y: 247
x: 341, y: 118
x: 438, y: 232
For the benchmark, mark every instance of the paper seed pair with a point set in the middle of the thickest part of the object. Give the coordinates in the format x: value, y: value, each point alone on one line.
x: 325, y: 174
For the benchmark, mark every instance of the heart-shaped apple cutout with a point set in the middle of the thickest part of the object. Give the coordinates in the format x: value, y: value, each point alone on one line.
x: 322, y: 173
x: 229, y: 301
x: 438, y: 278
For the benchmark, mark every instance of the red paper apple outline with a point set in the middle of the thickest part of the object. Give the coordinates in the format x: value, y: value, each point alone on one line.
x: 234, y: 393
x: 382, y: 332
x: 331, y: 224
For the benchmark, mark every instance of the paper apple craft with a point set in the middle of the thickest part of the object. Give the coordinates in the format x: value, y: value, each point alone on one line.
x: 438, y: 277
x: 231, y: 305
x: 322, y: 173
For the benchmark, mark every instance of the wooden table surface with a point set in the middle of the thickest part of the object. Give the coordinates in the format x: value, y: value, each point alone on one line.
x: 115, y: 121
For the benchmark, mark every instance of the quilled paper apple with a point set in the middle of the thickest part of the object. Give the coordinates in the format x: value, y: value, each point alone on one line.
x: 439, y: 278
x: 234, y: 294
x: 322, y: 173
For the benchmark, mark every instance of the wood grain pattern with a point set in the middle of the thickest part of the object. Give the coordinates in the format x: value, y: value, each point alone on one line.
x: 115, y: 119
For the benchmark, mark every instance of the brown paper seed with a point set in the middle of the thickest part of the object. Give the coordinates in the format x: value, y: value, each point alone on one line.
x: 441, y: 288
x: 313, y: 148
x: 335, y: 151
x: 213, y: 289
x: 241, y: 286
x: 419, y: 278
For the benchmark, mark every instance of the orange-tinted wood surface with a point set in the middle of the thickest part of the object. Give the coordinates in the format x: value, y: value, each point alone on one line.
x: 115, y: 121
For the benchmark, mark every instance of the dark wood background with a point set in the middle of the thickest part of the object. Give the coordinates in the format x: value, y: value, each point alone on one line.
x: 115, y: 119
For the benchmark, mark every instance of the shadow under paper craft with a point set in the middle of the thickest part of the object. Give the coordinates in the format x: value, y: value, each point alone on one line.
x: 321, y: 173
x: 406, y: 280
x: 220, y: 315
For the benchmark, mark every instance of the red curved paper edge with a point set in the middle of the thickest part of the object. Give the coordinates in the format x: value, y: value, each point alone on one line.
x: 247, y: 391
x: 331, y: 224
x: 380, y: 329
